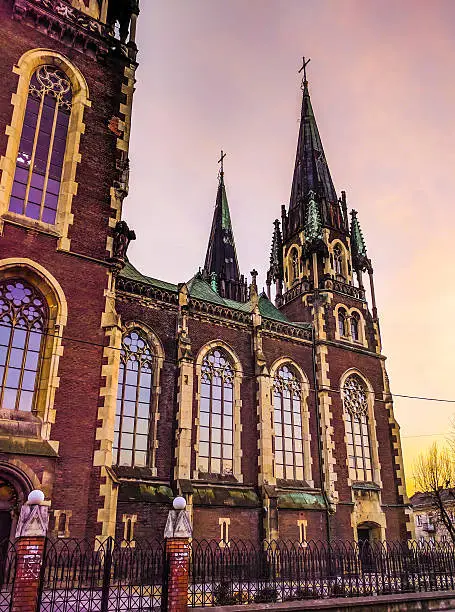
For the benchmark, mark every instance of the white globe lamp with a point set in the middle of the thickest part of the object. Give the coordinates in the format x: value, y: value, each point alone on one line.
x: 35, y: 498
x: 179, y: 503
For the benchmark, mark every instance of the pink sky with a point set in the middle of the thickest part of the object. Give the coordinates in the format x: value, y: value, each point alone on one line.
x: 223, y: 74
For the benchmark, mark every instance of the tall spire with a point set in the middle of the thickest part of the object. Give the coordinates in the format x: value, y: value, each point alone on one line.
x: 221, y: 264
x: 311, y: 171
x: 359, y: 250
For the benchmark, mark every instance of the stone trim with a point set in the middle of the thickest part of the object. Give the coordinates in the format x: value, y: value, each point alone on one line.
x: 25, y: 69
x: 128, y: 520
x: 349, y: 312
x: 57, y: 515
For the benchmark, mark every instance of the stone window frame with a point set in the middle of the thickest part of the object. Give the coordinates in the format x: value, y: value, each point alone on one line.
x: 25, y: 69
x: 347, y: 277
x: 58, y: 514
x: 237, y: 405
x: 224, y: 524
x: 362, y: 341
x: 158, y: 350
x: 302, y: 525
x: 372, y: 431
x: 52, y: 349
x: 305, y: 416
x: 290, y: 276
x: 129, y: 521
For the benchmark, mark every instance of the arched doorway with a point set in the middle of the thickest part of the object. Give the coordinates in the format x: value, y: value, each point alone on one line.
x: 14, y: 489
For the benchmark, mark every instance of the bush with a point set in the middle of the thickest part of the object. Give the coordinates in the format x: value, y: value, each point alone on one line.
x: 266, y: 595
x: 306, y: 592
x: 222, y: 595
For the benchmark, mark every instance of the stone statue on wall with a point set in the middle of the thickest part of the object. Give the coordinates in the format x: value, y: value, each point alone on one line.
x: 122, y: 238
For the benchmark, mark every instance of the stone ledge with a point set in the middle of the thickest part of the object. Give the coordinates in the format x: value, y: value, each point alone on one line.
x: 437, y: 600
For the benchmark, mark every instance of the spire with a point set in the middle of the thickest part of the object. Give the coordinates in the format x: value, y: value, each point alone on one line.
x: 221, y: 265
x: 276, y: 254
x: 359, y: 250
x: 311, y: 172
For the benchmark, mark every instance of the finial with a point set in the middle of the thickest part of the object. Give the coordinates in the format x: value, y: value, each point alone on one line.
x: 304, y: 65
x: 353, y: 213
x: 221, y: 162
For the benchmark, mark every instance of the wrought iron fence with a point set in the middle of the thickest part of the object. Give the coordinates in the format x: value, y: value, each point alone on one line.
x: 79, y: 576
x: 7, y: 573
x: 239, y: 572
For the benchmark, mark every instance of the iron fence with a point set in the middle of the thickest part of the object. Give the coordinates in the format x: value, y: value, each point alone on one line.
x: 79, y: 576
x: 238, y: 572
x: 7, y: 573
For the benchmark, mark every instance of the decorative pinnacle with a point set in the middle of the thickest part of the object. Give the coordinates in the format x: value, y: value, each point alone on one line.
x: 221, y: 162
x: 304, y: 65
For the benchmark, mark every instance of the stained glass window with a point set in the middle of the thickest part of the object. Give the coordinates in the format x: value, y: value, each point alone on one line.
x: 287, y: 396
x: 23, y: 321
x: 216, y: 410
x: 42, y: 146
x: 355, y: 403
x: 134, y: 398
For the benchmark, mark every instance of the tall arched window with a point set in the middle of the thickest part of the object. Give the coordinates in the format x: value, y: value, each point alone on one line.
x: 338, y: 260
x: 355, y: 402
x: 295, y: 265
x: 134, y: 400
x: 287, y: 400
x: 355, y: 327
x: 23, y: 322
x: 216, y: 427
x: 39, y: 163
x: 342, y: 320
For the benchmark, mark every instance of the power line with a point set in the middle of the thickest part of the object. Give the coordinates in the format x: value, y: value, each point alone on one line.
x: 251, y: 376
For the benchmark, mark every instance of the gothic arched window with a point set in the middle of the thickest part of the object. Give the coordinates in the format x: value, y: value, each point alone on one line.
x: 287, y: 401
x: 216, y: 427
x: 355, y: 403
x: 342, y: 319
x: 338, y: 260
x: 295, y: 265
x: 23, y: 323
x: 39, y: 162
x: 134, y: 400
x: 355, y: 327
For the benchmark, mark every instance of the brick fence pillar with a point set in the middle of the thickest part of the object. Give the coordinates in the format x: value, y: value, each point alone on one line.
x: 177, y: 534
x: 31, y: 536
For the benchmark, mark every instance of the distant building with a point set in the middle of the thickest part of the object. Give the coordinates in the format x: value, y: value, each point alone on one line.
x: 428, y: 525
x: 119, y: 391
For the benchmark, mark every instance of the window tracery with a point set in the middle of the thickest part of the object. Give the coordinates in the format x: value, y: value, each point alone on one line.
x: 355, y: 402
x: 216, y: 427
x: 134, y: 401
x: 39, y: 163
x: 287, y: 395
x: 23, y: 322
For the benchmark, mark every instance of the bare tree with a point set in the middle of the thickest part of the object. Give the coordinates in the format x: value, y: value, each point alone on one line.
x: 434, y: 474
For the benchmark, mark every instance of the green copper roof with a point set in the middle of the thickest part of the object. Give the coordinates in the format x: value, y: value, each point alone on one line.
x: 357, y: 239
x: 313, y: 224
x: 301, y: 500
x: 130, y: 272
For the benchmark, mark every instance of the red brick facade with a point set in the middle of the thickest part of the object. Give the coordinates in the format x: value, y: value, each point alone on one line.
x: 104, y: 295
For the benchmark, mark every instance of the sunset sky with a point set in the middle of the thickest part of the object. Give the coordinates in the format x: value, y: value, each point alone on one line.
x: 223, y: 74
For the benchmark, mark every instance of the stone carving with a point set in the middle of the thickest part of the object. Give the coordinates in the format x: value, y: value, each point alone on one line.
x: 178, y: 525
x: 33, y: 521
x: 122, y: 238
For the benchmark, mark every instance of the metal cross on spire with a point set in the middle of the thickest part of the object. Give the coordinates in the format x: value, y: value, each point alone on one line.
x: 304, y: 65
x: 221, y: 161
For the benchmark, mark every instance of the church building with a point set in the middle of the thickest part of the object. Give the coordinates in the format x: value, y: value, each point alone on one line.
x: 270, y: 412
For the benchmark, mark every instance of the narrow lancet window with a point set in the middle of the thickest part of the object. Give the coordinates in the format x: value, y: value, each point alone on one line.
x: 355, y: 402
x: 39, y: 163
x: 216, y: 427
x: 134, y: 397
x: 23, y: 323
x: 287, y: 394
x: 355, y: 322
x: 342, y: 323
x: 338, y: 261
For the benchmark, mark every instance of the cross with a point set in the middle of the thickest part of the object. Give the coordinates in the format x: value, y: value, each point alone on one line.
x: 221, y: 160
x: 304, y: 65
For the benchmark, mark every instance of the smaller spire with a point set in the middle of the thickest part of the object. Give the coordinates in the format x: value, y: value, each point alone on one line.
x: 313, y: 223
x: 276, y: 254
x: 360, y: 260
